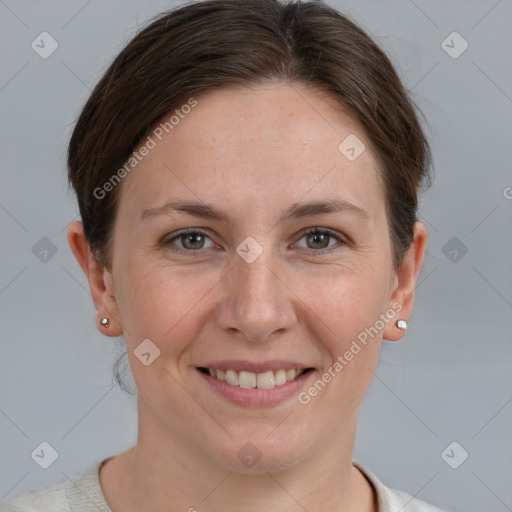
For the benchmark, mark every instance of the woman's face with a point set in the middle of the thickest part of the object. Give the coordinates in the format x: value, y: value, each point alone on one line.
x: 252, y: 291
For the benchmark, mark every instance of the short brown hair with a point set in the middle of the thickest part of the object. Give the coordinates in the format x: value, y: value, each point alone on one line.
x: 213, y: 43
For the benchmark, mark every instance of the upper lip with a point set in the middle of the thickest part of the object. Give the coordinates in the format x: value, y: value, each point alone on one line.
x: 248, y: 366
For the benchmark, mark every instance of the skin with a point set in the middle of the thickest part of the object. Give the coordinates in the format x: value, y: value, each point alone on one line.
x: 252, y: 152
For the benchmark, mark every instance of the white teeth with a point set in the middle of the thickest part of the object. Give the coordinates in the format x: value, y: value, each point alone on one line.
x: 290, y: 374
x: 280, y: 377
x: 247, y: 379
x: 264, y: 380
x: 232, y: 377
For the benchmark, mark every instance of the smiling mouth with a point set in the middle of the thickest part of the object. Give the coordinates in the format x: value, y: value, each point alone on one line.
x: 263, y: 380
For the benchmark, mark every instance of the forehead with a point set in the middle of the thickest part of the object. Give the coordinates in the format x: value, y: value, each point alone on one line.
x: 261, y: 147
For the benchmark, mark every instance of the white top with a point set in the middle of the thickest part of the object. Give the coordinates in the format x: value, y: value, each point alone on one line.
x: 84, y: 494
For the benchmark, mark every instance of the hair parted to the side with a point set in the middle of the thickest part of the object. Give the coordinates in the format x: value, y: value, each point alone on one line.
x: 215, y: 43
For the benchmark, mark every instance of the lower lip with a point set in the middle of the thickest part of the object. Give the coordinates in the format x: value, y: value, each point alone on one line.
x: 256, y: 397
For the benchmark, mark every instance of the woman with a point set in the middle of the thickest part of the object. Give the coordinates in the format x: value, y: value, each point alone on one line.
x: 247, y: 176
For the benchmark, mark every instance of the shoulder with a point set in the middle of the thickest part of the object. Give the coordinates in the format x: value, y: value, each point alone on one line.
x: 83, y: 491
x: 394, y: 500
x: 41, y: 498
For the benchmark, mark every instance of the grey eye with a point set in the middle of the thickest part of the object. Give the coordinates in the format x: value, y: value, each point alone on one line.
x: 192, y: 240
x: 319, y: 239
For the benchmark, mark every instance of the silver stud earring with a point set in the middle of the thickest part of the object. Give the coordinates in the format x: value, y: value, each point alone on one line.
x: 401, y: 324
x: 104, y: 321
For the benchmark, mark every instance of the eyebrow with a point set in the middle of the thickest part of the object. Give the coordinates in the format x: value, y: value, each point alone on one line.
x: 296, y: 211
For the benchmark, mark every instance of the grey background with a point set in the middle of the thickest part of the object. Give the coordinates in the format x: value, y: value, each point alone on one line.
x: 448, y: 380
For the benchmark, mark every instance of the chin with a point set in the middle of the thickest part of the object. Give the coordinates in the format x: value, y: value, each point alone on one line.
x: 257, y: 463
x: 259, y: 453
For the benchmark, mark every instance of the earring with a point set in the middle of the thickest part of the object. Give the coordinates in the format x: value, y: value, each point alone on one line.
x: 401, y: 324
x: 104, y: 321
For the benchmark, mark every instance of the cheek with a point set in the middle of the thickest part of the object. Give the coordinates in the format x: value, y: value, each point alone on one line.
x: 347, y: 311
x: 160, y: 303
x: 346, y: 301
x: 159, y: 300
x: 161, y: 306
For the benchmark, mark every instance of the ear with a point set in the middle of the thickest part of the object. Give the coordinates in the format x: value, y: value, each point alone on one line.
x: 405, y: 282
x: 100, y: 281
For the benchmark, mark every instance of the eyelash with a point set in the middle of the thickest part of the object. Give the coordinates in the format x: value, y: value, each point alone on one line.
x: 314, y: 230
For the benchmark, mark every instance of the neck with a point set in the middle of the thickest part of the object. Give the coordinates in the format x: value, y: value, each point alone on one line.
x: 162, y: 473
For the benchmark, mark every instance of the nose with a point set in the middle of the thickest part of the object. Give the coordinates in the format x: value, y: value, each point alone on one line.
x: 257, y: 305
